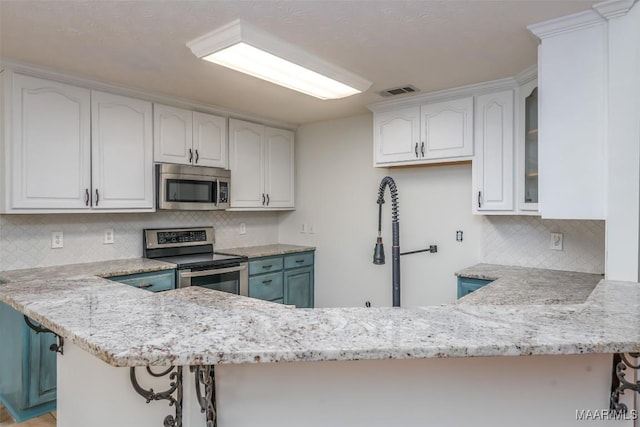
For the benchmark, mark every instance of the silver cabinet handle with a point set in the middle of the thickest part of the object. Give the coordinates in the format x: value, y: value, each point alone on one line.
x: 267, y: 200
x: 97, y: 197
x: 144, y: 285
x: 263, y: 199
x: 190, y: 155
x: 266, y: 282
x: 416, y: 149
x: 212, y: 272
x: 422, y: 148
x: 197, y: 156
x: 267, y: 266
x: 86, y: 197
x: 479, y: 203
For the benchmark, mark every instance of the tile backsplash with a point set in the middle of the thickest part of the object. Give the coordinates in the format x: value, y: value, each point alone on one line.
x: 25, y: 240
x: 524, y: 241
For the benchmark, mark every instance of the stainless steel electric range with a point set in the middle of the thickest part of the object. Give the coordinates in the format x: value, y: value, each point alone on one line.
x: 192, y: 250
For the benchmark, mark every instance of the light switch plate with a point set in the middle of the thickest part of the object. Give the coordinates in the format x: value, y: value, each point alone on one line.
x: 556, y: 243
x: 243, y: 228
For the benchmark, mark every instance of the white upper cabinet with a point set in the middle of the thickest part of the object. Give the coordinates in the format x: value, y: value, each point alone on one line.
x: 527, y: 174
x: 189, y: 138
x: 397, y: 136
x: 122, y: 152
x: 69, y: 149
x: 262, y: 169
x: 209, y: 140
x: 447, y: 129
x: 572, y: 116
x: 493, y: 163
x: 48, y: 152
x: 432, y: 132
x: 278, y: 153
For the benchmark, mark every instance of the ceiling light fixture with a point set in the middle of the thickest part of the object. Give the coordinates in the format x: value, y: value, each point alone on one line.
x: 242, y: 47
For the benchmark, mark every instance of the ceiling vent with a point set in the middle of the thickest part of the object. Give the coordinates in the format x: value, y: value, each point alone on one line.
x: 399, y: 90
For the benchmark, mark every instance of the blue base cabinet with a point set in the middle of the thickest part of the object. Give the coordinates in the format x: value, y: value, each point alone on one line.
x: 27, y: 367
x: 154, y: 281
x: 466, y: 285
x: 285, y: 279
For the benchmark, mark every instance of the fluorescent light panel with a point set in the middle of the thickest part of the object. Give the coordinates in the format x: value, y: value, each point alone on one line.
x: 246, y: 49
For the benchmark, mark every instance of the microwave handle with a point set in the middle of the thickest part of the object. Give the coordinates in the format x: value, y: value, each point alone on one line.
x: 212, y: 271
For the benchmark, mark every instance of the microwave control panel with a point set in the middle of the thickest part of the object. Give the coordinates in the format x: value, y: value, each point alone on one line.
x: 223, y: 197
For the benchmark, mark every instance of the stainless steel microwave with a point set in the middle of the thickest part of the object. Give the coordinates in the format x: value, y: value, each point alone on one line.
x: 192, y: 188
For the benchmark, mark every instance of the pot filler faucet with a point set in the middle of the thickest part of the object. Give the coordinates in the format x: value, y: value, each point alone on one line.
x: 378, y: 252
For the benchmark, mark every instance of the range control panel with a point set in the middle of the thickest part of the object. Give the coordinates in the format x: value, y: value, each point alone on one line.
x: 169, y: 237
x: 165, y: 237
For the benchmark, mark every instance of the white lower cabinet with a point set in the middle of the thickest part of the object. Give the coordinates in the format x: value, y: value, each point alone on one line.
x: 70, y: 149
x: 261, y: 162
x: 493, y: 164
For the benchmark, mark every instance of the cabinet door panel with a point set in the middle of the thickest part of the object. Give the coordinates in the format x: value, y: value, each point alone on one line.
x: 122, y: 144
x: 494, y: 151
x: 209, y: 140
x: 42, y: 366
x: 50, y: 149
x: 172, y: 134
x: 279, y: 181
x: 396, y: 136
x: 447, y: 128
x: 246, y: 145
x: 298, y: 287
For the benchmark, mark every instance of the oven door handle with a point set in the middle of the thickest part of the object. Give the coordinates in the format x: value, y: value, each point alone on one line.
x: 213, y: 271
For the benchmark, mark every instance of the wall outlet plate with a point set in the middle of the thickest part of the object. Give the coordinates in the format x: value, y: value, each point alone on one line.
x: 109, y: 236
x: 243, y: 228
x: 57, y: 240
x: 556, y: 243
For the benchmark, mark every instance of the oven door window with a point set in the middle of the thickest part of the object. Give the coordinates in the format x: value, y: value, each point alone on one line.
x: 226, y: 282
x: 182, y: 190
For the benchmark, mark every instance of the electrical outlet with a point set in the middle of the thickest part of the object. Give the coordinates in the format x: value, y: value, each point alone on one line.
x: 243, y: 228
x: 556, y: 243
x: 57, y: 240
x: 109, y: 236
x: 303, y: 227
x: 312, y: 229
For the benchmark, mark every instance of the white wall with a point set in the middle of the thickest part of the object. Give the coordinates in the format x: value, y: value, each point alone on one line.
x: 336, y: 191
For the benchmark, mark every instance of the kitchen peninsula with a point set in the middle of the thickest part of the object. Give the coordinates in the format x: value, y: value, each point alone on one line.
x: 337, y: 366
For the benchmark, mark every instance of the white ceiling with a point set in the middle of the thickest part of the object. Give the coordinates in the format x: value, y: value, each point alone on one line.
x: 141, y: 44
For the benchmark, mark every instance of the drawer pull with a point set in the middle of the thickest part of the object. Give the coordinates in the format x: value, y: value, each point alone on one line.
x: 266, y: 282
x: 145, y: 285
x: 299, y: 261
x: 267, y: 266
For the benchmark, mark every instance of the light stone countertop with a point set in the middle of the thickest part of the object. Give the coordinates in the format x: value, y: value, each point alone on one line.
x: 528, y: 286
x: 265, y: 250
x: 125, y: 326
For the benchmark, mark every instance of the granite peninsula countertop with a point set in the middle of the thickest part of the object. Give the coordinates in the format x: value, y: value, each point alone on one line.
x: 265, y: 250
x: 118, y: 267
x: 527, y: 286
x: 125, y: 326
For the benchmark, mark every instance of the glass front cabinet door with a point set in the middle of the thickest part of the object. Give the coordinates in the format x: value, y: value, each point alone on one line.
x: 528, y: 158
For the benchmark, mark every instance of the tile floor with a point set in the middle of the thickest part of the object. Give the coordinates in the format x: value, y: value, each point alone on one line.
x: 46, y: 420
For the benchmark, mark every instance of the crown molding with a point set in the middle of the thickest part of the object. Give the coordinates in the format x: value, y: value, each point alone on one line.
x: 448, y: 94
x: 613, y: 8
x: 565, y: 24
x: 527, y: 75
x: 75, y: 80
